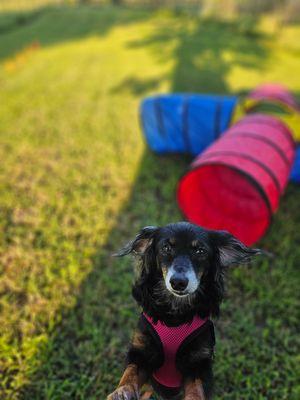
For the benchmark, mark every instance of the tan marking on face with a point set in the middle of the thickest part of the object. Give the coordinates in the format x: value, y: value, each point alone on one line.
x: 195, y: 243
x: 164, y: 271
x: 172, y: 240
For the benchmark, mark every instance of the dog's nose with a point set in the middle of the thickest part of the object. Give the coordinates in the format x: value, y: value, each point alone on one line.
x: 179, y: 282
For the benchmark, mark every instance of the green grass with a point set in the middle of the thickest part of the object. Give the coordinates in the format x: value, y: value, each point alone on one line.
x: 77, y: 181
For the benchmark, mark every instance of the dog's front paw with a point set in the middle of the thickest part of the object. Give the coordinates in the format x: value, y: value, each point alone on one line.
x: 126, y: 392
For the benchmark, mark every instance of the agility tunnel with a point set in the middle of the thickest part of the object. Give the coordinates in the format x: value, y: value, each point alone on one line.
x: 180, y: 123
x: 277, y: 100
x: 271, y: 99
x: 236, y: 183
x: 275, y: 92
x: 189, y: 123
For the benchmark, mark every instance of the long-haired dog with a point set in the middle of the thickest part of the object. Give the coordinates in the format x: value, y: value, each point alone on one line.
x: 180, y: 286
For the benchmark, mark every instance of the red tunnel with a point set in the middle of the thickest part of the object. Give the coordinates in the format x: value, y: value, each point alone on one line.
x: 237, y: 182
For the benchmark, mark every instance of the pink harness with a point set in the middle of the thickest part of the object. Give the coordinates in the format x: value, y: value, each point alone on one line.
x: 171, y: 339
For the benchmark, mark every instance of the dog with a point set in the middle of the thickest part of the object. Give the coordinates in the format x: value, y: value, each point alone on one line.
x: 180, y: 286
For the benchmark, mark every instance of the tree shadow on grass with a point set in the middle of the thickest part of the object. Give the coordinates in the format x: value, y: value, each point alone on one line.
x: 136, y: 86
x: 52, y: 25
x: 204, y: 52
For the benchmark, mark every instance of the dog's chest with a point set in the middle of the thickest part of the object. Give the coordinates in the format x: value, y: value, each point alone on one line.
x: 171, y: 339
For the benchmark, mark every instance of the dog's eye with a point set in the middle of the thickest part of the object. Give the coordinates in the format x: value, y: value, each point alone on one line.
x: 200, y: 251
x: 167, y: 248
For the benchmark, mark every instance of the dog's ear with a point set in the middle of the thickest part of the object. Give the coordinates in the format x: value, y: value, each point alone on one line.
x: 231, y: 250
x: 140, y: 243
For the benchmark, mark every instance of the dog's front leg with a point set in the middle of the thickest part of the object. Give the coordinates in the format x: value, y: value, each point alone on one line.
x: 193, y: 390
x: 130, y: 384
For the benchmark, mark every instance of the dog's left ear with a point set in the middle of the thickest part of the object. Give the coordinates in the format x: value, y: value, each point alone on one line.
x: 140, y: 243
x: 231, y: 250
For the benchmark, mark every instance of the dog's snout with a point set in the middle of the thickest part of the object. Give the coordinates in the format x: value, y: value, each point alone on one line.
x: 179, y: 269
x: 181, y: 279
x: 179, y: 282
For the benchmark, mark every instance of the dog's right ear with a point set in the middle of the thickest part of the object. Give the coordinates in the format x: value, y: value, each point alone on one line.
x: 140, y: 243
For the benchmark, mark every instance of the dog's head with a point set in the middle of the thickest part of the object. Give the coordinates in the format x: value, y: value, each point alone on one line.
x: 186, y: 258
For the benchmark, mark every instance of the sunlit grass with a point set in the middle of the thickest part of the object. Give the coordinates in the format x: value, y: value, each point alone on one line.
x: 76, y: 182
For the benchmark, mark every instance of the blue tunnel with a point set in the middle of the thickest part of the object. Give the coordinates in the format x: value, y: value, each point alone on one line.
x: 181, y: 123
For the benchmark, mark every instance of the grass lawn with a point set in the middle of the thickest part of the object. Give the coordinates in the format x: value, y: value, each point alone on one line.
x: 77, y: 181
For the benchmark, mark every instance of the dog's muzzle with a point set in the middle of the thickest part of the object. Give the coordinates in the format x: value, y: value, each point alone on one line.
x: 181, y: 279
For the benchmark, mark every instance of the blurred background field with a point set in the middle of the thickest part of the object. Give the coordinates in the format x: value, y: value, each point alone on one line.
x: 77, y: 181
x: 286, y: 10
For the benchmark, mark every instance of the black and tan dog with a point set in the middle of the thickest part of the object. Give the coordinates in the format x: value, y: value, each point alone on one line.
x: 180, y: 286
